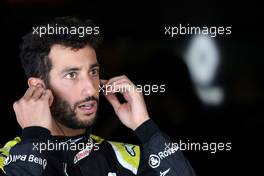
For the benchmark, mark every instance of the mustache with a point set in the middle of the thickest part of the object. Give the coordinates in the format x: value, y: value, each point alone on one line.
x: 90, y: 98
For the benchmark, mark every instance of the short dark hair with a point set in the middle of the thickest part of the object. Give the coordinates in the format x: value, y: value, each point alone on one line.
x: 34, y: 49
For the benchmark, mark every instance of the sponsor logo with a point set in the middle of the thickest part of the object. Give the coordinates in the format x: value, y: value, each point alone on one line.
x: 130, y: 149
x: 82, y: 154
x: 73, y: 140
x: 26, y: 158
x: 165, y: 172
x: 154, y: 161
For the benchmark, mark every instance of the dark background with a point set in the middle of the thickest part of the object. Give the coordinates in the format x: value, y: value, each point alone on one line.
x: 135, y: 45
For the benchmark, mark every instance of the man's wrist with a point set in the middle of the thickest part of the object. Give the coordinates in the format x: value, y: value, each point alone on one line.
x: 146, y: 130
x: 142, y: 121
x: 35, y: 132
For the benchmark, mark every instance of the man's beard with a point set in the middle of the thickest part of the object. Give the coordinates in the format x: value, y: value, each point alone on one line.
x: 63, y: 113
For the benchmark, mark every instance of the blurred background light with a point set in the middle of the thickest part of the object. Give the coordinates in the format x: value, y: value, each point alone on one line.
x: 202, y: 59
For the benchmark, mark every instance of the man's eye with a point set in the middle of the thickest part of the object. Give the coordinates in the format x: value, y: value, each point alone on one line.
x: 95, y: 72
x: 71, y: 75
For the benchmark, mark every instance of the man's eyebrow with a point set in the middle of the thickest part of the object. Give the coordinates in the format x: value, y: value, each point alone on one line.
x: 70, y: 69
x: 95, y: 65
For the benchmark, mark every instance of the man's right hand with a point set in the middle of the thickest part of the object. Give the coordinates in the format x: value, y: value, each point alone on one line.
x: 33, y: 109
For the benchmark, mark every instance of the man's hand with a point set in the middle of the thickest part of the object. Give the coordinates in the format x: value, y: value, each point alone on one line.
x: 33, y: 109
x: 132, y: 113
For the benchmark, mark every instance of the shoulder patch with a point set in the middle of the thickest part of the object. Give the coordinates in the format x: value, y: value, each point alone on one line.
x: 128, y: 155
x: 4, y: 152
x: 97, y: 139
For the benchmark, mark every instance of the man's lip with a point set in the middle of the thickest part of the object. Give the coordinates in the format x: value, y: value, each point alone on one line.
x: 88, y: 110
x: 91, y: 102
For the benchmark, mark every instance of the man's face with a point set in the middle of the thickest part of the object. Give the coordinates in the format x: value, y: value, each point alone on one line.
x: 74, y: 82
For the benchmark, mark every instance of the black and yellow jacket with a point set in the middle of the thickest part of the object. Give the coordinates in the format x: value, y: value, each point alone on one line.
x: 37, y: 153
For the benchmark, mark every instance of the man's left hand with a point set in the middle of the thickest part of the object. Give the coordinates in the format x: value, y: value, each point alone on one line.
x: 133, y: 112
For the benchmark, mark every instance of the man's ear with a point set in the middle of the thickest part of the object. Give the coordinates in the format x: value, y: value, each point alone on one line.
x: 32, y: 81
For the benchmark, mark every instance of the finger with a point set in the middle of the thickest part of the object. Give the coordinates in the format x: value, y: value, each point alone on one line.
x: 122, y: 87
x: 121, y: 81
x: 113, y: 100
x: 37, y: 93
x: 114, y: 79
x: 109, y: 87
x: 15, y: 104
x: 51, y: 98
x: 47, y: 95
x: 103, y: 81
x: 29, y: 92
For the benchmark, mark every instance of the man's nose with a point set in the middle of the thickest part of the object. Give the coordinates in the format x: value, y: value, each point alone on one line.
x: 88, y: 86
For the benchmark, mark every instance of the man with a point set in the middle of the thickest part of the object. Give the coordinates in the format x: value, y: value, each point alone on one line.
x: 58, y: 109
